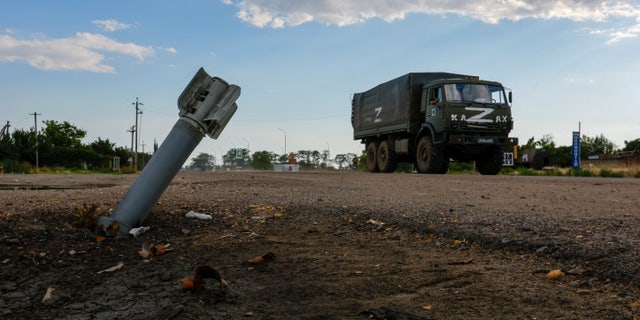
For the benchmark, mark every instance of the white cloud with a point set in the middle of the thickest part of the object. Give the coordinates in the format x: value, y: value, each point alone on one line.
x: 631, y: 32
x: 82, y: 52
x: 282, y: 13
x: 171, y: 50
x: 111, y: 25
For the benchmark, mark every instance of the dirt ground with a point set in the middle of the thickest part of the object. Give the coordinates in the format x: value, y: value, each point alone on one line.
x: 346, y: 245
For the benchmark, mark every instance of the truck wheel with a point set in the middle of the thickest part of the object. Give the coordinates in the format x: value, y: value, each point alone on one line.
x: 372, y: 156
x: 541, y: 160
x: 429, y: 158
x: 387, y: 158
x: 491, y: 163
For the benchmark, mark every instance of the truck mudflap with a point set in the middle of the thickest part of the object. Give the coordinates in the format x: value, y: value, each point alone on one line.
x: 462, y: 139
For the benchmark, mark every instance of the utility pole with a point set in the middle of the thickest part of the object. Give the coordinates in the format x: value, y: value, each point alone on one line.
x: 35, y: 134
x: 132, y: 130
x: 135, y: 153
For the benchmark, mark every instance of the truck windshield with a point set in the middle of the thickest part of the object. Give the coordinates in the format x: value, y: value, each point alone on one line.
x: 482, y: 93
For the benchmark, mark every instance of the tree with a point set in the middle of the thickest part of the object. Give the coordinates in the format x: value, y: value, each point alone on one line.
x: 304, y: 157
x: 261, y: 160
x: 203, y: 161
x: 562, y: 156
x: 546, y: 143
x: 62, y: 135
x: 237, y: 158
x: 342, y: 160
x: 596, y: 146
x: 61, y: 145
x: 23, y: 146
x: 102, y: 152
x: 124, y: 154
x: 315, y: 158
x: 632, y: 146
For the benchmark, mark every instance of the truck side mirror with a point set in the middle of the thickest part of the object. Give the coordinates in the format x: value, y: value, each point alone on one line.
x: 510, y: 96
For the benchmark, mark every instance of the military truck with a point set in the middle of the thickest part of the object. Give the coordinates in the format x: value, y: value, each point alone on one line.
x: 431, y: 118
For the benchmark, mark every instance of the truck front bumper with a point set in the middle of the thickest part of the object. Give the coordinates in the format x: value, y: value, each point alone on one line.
x: 462, y: 139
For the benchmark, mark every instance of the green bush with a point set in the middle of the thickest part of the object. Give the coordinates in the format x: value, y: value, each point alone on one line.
x: 579, y: 172
x: 461, y: 167
x: 14, y: 166
x: 608, y: 173
x: 526, y: 171
x: 555, y: 172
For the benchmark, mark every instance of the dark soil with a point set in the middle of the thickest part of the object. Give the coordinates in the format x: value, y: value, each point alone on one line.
x: 342, y: 246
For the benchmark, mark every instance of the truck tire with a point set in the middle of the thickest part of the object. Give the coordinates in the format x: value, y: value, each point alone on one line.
x: 372, y: 156
x: 387, y: 158
x: 429, y: 158
x: 491, y: 162
x: 541, y: 159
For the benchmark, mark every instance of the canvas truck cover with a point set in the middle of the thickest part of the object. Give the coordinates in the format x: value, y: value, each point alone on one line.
x: 393, y: 106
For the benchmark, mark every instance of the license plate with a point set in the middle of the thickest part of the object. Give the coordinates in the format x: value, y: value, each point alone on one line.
x: 485, y: 140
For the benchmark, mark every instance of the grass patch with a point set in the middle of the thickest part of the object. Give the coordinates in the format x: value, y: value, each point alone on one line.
x: 608, y: 173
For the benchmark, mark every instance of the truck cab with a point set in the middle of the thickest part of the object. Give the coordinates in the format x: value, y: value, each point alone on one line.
x: 468, y: 119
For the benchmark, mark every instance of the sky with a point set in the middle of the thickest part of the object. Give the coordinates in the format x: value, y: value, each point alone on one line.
x: 569, y: 63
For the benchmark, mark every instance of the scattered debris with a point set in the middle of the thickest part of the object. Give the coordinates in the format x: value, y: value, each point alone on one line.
x: 555, y: 274
x: 88, y: 215
x: 149, y: 250
x: 268, y: 257
x: 231, y: 235
x: 138, y: 231
x: 114, y: 268
x: 196, y: 284
x: 53, y: 295
x: 202, y: 216
x: 375, y: 222
x: 48, y: 296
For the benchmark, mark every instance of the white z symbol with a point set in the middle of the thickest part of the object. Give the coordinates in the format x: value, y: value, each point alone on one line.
x: 479, y: 118
x: 378, y: 111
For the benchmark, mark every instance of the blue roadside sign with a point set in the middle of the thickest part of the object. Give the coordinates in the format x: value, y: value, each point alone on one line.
x: 576, y: 150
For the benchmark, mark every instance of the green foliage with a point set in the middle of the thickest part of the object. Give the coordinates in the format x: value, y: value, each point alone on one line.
x: 236, y: 158
x: 546, y: 143
x: 14, y: 166
x: 608, y: 173
x: 595, y: 146
x: 561, y: 156
x: 556, y: 172
x: 522, y: 171
x: 203, y: 161
x: 261, y: 160
x: 633, y: 145
x: 461, y: 166
x: 579, y: 172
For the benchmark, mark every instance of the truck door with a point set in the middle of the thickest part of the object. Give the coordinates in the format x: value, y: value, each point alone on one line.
x: 434, y: 103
